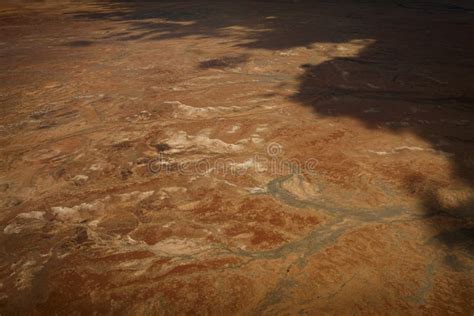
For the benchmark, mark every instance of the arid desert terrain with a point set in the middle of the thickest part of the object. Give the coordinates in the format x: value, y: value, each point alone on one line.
x: 237, y: 157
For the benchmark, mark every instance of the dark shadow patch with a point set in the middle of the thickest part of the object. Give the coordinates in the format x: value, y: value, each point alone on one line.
x: 454, y: 263
x: 462, y: 238
x: 80, y: 43
x: 161, y: 147
x: 224, y: 62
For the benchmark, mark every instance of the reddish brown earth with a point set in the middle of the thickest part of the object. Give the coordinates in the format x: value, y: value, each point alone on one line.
x: 142, y: 149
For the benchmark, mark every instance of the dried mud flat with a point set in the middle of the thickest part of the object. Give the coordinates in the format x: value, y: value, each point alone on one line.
x: 141, y: 150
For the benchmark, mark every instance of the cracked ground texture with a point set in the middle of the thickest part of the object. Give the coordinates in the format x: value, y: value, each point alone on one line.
x: 143, y: 149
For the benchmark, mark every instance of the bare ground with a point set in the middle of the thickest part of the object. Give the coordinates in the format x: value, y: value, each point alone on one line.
x: 237, y: 157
